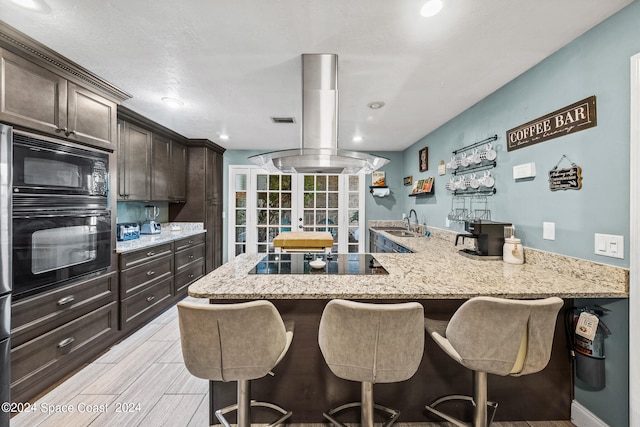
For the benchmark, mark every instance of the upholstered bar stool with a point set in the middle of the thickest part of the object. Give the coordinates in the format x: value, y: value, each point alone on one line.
x: 495, y: 336
x: 234, y: 342
x: 371, y: 343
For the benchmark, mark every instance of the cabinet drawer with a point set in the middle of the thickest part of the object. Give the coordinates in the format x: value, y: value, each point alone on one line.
x: 183, y: 258
x: 40, y: 359
x: 189, y: 274
x: 142, y: 306
x: 132, y: 259
x: 40, y: 313
x: 144, y: 275
x: 188, y: 242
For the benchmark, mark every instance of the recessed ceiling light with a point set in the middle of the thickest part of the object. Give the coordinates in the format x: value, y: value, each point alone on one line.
x: 376, y: 105
x: 173, y: 102
x: 431, y: 8
x: 35, y: 5
x: 224, y: 136
x: 357, y: 139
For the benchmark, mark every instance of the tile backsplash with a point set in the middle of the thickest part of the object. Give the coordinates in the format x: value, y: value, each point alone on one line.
x: 135, y: 212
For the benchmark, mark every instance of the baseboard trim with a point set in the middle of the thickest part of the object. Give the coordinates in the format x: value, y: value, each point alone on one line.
x: 582, y: 417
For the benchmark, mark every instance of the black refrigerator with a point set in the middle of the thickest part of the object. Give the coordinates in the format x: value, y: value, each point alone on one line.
x: 6, y: 277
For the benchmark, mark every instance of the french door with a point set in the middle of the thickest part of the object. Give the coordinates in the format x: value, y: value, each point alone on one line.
x: 262, y: 205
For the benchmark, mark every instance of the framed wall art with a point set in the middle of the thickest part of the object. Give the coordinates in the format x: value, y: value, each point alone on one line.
x: 423, y: 159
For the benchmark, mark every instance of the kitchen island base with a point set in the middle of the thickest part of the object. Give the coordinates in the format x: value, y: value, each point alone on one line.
x: 304, y: 384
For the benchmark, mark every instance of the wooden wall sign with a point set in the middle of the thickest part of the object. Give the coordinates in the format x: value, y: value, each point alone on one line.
x: 570, y: 119
x: 565, y: 179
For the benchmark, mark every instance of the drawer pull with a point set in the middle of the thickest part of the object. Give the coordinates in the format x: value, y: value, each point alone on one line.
x: 191, y: 242
x: 65, y: 342
x: 151, y: 253
x: 66, y: 300
x: 190, y: 256
x: 151, y: 298
x: 191, y: 276
x: 151, y: 272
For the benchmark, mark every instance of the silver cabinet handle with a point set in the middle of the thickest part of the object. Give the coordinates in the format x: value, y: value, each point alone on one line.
x: 65, y: 342
x: 191, y: 276
x: 151, y: 298
x: 151, y: 272
x: 61, y: 130
x: 191, y: 242
x: 190, y: 256
x: 151, y: 253
x: 66, y: 300
x: 69, y: 133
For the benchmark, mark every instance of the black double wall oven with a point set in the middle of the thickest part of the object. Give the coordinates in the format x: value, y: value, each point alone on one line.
x: 61, y: 218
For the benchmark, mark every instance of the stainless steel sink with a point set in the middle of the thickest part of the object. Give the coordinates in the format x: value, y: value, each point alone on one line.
x: 402, y: 233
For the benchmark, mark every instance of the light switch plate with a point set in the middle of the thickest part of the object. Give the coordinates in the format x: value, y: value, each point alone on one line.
x: 609, y: 245
x: 549, y: 230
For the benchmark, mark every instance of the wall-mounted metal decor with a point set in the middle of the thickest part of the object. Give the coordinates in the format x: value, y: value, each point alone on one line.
x: 423, y: 157
x: 573, y: 118
x: 567, y: 178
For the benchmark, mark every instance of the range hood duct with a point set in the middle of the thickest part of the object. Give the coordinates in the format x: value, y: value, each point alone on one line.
x: 319, y: 151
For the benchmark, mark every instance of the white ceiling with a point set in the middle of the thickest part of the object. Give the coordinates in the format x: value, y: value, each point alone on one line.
x: 236, y: 63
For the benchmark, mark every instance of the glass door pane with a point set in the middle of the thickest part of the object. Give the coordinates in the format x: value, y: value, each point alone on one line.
x: 274, y: 207
x: 320, y: 199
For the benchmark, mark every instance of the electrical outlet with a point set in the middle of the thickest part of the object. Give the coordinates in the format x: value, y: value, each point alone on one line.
x: 609, y: 245
x: 446, y: 222
x: 549, y: 230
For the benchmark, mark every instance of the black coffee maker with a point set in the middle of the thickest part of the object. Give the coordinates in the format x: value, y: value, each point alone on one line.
x: 488, y: 237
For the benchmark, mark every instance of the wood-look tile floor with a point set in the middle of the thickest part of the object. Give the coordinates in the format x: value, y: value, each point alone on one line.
x: 142, y: 381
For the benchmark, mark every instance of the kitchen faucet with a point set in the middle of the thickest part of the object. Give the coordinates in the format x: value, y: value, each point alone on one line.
x: 409, y: 219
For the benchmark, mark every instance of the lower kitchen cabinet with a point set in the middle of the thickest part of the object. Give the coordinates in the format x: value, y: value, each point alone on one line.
x: 189, y: 262
x: 55, y: 332
x: 146, y: 284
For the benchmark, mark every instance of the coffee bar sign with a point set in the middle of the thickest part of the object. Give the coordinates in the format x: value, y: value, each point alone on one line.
x: 573, y: 118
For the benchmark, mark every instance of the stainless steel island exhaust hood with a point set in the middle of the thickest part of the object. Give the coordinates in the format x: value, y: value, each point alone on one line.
x: 319, y: 152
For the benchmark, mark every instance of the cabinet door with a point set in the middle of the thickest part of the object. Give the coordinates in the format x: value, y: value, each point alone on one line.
x: 210, y: 176
x: 178, y: 171
x: 90, y: 117
x: 31, y: 96
x: 134, y: 163
x: 160, y: 168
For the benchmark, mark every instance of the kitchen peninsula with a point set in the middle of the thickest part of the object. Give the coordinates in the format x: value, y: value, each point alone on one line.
x: 438, y: 277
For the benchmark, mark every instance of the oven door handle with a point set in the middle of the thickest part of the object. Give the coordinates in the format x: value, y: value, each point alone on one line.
x: 61, y: 214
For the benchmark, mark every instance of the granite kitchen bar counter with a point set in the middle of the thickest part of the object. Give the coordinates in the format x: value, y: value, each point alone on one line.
x: 434, y: 271
x: 441, y: 280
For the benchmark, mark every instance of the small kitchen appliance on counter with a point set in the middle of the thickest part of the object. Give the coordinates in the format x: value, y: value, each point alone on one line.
x: 488, y: 236
x: 151, y: 226
x: 127, y: 231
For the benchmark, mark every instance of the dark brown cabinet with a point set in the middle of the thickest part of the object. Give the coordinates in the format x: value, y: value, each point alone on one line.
x: 204, y: 196
x: 146, y: 284
x: 37, y: 98
x: 151, y: 160
x: 55, y: 332
x: 189, y: 262
x: 134, y: 162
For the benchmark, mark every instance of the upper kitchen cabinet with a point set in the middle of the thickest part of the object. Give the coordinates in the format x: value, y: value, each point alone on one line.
x: 134, y: 162
x: 152, y: 160
x: 46, y: 92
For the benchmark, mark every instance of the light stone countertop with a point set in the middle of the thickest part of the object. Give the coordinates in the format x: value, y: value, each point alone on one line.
x: 167, y: 235
x: 434, y: 271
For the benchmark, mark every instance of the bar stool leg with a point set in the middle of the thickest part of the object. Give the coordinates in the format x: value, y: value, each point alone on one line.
x: 244, y: 403
x: 480, y: 399
x: 366, y: 410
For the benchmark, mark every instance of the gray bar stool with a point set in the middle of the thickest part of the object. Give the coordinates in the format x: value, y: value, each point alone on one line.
x: 234, y: 342
x: 495, y: 336
x: 371, y: 343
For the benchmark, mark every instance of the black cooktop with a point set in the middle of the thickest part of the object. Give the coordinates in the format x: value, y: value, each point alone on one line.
x: 298, y: 263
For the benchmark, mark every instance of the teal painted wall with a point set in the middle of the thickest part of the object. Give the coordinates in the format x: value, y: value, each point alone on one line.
x: 597, y: 63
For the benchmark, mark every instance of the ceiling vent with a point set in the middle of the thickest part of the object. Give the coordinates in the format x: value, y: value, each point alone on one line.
x: 283, y: 120
x: 319, y: 151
